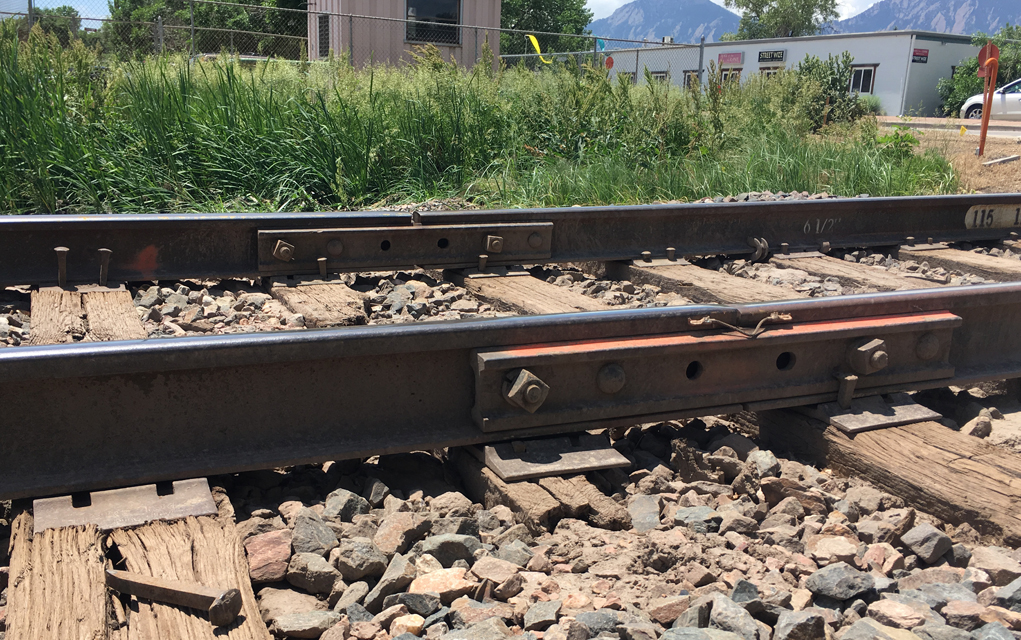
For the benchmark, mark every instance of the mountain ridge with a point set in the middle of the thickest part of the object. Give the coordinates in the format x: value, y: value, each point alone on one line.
x: 652, y: 19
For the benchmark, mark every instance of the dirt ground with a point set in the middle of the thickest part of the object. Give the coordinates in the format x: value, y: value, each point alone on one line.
x: 975, y: 177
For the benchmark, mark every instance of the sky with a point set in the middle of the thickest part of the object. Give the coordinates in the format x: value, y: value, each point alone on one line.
x: 847, y: 8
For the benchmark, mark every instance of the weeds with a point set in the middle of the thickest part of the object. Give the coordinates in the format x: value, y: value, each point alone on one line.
x: 81, y: 134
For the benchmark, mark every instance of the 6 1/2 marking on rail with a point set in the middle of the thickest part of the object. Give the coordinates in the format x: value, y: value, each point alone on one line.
x: 1003, y: 216
x: 820, y: 225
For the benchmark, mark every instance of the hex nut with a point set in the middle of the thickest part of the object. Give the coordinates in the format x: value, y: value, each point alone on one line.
x: 868, y: 356
x: 494, y: 244
x: 283, y: 251
x: 523, y: 389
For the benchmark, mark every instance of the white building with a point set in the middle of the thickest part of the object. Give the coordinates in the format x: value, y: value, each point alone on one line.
x: 901, y: 68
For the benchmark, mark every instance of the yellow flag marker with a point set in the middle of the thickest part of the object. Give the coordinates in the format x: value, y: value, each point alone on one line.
x: 535, y: 43
x: 964, y: 129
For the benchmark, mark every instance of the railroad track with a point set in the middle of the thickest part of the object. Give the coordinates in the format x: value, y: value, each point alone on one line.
x: 766, y: 327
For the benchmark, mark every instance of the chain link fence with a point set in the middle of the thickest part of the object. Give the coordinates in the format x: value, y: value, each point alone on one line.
x: 129, y: 28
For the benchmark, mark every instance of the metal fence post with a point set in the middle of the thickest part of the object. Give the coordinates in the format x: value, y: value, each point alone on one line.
x: 158, y: 35
x: 476, y: 46
x: 31, y: 15
x: 701, y: 59
x: 351, y: 38
x: 637, y: 50
x: 191, y: 10
x: 595, y: 52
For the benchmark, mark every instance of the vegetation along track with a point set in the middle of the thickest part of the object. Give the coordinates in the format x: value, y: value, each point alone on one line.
x: 685, y: 310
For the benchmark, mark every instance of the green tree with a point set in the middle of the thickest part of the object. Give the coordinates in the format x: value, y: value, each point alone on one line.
x: 218, y: 27
x: 954, y: 91
x: 551, y: 16
x: 62, y: 22
x: 781, y: 18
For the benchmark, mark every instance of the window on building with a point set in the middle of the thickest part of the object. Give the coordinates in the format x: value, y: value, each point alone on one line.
x: 628, y: 76
x: 324, y: 37
x: 730, y: 75
x: 863, y: 79
x: 434, y: 21
x: 691, y: 79
x: 769, y: 72
x: 662, y: 76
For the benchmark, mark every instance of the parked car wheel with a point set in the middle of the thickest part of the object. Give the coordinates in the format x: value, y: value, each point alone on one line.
x: 975, y: 112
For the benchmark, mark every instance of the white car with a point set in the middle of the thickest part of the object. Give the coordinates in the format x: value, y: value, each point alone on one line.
x: 1006, y: 104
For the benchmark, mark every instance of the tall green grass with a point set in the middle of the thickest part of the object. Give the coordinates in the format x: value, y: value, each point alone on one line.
x: 80, y: 132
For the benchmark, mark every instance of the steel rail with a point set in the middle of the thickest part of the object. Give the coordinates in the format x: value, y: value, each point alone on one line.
x: 149, y: 247
x: 96, y: 415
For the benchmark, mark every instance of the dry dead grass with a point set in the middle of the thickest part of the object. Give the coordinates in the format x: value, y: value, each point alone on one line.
x: 960, y: 150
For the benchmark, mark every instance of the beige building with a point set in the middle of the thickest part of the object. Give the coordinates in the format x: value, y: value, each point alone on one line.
x: 386, y: 30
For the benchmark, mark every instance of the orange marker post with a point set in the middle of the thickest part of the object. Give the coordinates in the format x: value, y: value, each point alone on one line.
x: 988, y: 67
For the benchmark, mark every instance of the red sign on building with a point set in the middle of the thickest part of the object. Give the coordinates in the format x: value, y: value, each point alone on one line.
x: 920, y: 55
x: 729, y: 59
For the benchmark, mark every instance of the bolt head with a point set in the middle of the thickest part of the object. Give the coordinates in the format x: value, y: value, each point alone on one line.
x: 928, y: 347
x: 535, y: 240
x: 335, y: 247
x: 611, y: 378
x: 879, y: 360
x: 533, y: 393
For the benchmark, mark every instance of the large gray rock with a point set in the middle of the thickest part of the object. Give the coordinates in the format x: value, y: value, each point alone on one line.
x: 694, y: 633
x: 1009, y: 596
x: 941, y: 632
x: 515, y: 551
x: 305, y: 625
x: 357, y: 558
x: 993, y: 631
x: 311, y: 535
x: 927, y: 542
x: 449, y: 548
x: 764, y: 463
x: 697, y: 614
x: 839, y: 581
x: 311, y: 572
x: 644, y: 510
x: 488, y: 629
x: 799, y: 625
x: 730, y: 616
x: 699, y: 519
x: 944, y: 593
x: 345, y: 505
x: 352, y: 595
x: 398, y: 575
x: 424, y: 604
x: 868, y: 500
x: 541, y: 615
x: 600, y: 621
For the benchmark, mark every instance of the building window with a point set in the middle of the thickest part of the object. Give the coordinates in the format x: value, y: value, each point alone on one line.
x: 324, y: 37
x: 691, y: 79
x: 434, y: 21
x: 730, y: 75
x: 662, y: 76
x: 626, y: 75
x: 863, y: 79
x: 769, y: 72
